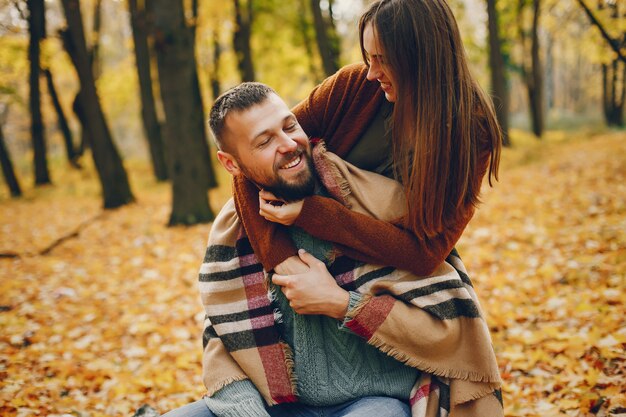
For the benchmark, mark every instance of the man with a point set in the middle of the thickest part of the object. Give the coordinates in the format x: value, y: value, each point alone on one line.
x: 354, y: 341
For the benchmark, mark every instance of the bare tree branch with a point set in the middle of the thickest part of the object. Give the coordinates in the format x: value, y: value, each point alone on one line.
x: 613, y: 43
x: 17, y: 4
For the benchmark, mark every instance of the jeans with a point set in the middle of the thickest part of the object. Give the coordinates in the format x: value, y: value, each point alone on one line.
x: 363, y: 407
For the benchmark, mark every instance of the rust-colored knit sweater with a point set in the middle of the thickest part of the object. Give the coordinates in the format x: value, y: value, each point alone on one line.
x: 339, y: 110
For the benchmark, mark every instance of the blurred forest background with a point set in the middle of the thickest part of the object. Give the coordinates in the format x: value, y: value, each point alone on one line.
x: 134, y: 79
x: 103, y: 105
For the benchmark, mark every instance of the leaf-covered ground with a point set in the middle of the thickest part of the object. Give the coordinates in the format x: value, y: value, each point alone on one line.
x: 99, y: 311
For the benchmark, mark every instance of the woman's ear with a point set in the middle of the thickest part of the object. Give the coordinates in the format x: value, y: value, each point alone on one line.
x: 229, y: 163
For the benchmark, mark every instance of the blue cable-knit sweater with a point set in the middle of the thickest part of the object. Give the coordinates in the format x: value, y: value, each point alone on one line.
x: 332, y: 364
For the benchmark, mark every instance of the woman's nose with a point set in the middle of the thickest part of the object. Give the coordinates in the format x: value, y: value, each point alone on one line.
x: 373, y: 72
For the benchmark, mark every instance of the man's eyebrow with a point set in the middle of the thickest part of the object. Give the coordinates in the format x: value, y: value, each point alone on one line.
x: 260, y: 134
x: 266, y: 131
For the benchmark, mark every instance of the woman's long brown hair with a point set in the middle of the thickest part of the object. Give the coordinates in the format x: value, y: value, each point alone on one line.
x: 443, y: 122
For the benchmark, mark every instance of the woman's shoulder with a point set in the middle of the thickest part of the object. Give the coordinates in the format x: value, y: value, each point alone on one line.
x: 349, y: 76
x: 356, y: 68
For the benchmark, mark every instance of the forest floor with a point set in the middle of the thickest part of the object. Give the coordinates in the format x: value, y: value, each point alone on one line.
x: 100, y: 314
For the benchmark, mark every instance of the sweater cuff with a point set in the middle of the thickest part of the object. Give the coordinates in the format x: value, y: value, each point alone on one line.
x: 237, y: 399
x: 307, y: 213
x: 275, y: 257
x: 354, y: 300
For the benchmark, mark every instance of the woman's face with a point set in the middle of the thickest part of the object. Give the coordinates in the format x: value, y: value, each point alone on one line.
x: 378, y: 70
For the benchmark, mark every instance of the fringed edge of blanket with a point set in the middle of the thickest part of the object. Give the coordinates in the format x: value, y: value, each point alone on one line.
x: 210, y: 391
x: 488, y: 389
x: 491, y: 381
x: 472, y: 376
x: 329, y: 174
x: 290, y: 364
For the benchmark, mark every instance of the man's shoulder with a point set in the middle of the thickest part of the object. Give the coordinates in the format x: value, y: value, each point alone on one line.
x: 362, y: 191
x: 226, y: 225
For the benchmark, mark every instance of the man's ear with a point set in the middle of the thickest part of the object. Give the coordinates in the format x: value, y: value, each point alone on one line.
x: 229, y: 163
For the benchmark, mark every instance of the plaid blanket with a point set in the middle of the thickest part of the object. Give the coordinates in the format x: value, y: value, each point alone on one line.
x: 431, y: 323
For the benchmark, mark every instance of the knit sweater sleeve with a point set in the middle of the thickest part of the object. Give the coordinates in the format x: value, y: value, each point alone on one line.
x: 270, y: 241
x: 375, y: 241
x: 238, y: 399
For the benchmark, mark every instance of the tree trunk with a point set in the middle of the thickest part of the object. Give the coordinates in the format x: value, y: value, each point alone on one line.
x: 115, y: 187
x: 620, y: 121
x: 194, y: 20
x: 241, y: 40
x: 535, y: 91
x: 7, y: 167
x: 72, y: 156
x: 304, y: 26
x: 613, y: 105
x: 549, y: 85
x: 499, y: 90
x: 36, y: 28
x: 94, y: 51
x: 96, y: 67
x: 197, y: 96
x: 79, y: 111
x: 151, y: 123
x: 214, y: 68
x: 327, y: 40
x: 532, y: 74
x: 331, y: 15
x: 201, y: 125
x: 184, y: 125
x: 605, y: 93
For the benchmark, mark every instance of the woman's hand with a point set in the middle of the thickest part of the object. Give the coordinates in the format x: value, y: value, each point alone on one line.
x: 315, y: 291
x: 277, y: 210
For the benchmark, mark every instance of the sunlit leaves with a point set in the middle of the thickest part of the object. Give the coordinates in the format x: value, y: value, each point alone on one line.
x: 548, y: 246
x: 110, y: 319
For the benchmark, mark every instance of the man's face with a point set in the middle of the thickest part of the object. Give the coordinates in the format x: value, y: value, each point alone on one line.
x: 270, y: 149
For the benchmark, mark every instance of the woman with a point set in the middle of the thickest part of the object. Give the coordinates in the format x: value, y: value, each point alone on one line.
x: 443, y: 138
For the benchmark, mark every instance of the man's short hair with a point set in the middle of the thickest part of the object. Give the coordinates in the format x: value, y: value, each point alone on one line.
x: 238, y: 98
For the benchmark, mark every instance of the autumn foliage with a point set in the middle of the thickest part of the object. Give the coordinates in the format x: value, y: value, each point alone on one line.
x: 100, y: 314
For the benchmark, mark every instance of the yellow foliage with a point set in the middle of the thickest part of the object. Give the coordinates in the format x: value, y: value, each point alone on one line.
x: 110, y: 318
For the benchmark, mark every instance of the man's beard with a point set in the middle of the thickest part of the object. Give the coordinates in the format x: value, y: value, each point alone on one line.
x: 289, y: 191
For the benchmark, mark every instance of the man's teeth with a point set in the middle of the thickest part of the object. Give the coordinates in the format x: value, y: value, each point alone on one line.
x: 292, y: 163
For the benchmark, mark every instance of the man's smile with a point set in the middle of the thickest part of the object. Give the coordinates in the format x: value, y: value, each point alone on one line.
x: 294, y: 162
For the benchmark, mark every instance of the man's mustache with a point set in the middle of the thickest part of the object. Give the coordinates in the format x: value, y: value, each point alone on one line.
x: 286, y: 158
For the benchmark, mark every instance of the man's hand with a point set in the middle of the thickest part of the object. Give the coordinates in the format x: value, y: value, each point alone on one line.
x: 291, y: 266
x: 278, y: 211
x: 314, y: 291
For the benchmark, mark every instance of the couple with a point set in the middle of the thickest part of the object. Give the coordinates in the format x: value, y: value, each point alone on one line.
x: 376, y: 317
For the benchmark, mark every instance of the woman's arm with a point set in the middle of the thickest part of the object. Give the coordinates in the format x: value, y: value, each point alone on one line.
x: 364, y: 238
x: 375, y: 241
x: 360, y: 236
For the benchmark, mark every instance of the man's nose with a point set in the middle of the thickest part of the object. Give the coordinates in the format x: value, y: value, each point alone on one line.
x: 287, y: 144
